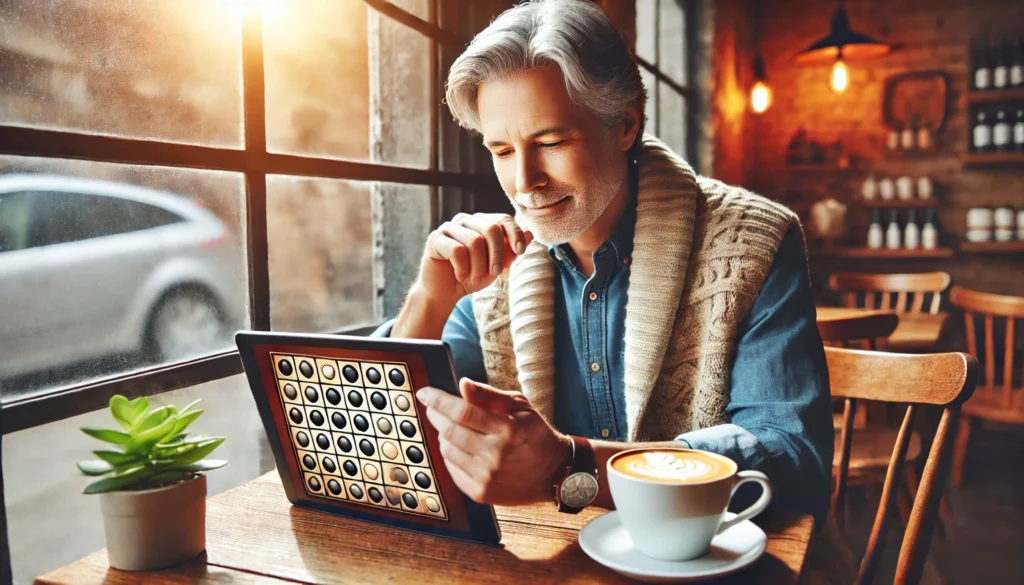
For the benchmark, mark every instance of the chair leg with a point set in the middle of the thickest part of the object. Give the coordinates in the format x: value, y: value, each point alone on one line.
x: 963, y: 435
x: 945, y: 513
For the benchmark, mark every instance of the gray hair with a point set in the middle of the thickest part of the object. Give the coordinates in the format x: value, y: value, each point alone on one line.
x: 576, y: 35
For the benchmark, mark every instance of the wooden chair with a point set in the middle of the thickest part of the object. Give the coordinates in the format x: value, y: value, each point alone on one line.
x: 860, y: 332
x: 904, y: 293
x: 945, y: 380
x: 1000, y: 397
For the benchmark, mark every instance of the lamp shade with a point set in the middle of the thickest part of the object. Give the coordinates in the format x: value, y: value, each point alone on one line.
x: 840, y: 40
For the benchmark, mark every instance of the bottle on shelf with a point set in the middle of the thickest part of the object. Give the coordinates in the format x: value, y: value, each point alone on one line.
x: 892, y: 137
x: 911, y: 233
x: 905, y: 188
x: 924, y: 137
x: 929, y: 235
x: 1001, y: 67
x: 982, y: 133
x: 982, y: 69
x: 908, y: 135
x: 892, y: 233
x: 869, y: 189
x: 875, y: 236
x: 1018, y: 131
x: 886, y: 188
x: 925, y: 188
x: 1001, y: 132
x: 1017, y: 65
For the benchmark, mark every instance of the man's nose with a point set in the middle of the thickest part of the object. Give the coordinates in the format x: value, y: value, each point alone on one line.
x: 530, y: 175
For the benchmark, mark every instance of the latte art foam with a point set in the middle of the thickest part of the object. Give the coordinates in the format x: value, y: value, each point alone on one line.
x: 673, y: 466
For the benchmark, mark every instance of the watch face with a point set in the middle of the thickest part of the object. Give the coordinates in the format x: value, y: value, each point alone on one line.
x: 578, y: 490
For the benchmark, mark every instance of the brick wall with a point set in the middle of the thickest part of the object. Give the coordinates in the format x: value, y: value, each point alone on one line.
x: 927, y: 35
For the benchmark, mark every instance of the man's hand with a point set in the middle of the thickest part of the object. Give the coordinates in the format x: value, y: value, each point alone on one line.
x: 467, y: 253
x: 497, y: 448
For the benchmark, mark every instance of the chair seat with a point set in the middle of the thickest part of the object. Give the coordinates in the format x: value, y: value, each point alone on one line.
x: 872, y: 448
x: 989, y: 405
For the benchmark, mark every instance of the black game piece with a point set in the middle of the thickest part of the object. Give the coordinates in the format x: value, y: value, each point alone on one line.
x: 302, y: 438
x: 408, y: 429
x: 410, y: 500
x: 375, y: 494
x: 285, y: 366
x: 361, y: 423
x: 338, y: 420
x: 356, y: 491
x: 322, y: 441
x: 397, y: 377
x: 414, y: 454
x: 331, y: 467
x: 366, y: 446
x: 306, y: 369
x: 355, y: 399
x: 296, y: 415
x: 333, y: 396
x: 335, y: 486
x: 350, y: 468
x: 422, y: 480
x: 351, y: 374
x: 316, y: 417
x: 290, y: 391
x: 309, y: 462
x: 311, y: 394
x: 373, y: 375
x: 344, y: 444
x: 314, y: 484
x: 378, y: 401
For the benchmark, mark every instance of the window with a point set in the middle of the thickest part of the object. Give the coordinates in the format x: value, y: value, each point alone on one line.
x: 664, y: 50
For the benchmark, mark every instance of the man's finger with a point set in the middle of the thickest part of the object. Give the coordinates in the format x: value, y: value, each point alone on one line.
x: 494, y: 234
x: 469, y: 464
x: 457, y: 410
x: 475, y: 243
x: 445, y: 248
x: 465, y: 482
x: 462, y: 437
x: 490, y: 398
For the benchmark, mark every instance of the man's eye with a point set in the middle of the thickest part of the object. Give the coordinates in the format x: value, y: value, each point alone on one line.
x: 503, y: 154
x: 551, y: 144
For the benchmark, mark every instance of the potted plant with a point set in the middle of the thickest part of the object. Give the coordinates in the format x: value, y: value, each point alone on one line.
x: 152, y: 487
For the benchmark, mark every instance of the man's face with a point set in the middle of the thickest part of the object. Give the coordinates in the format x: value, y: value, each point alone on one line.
x: 558, y: 165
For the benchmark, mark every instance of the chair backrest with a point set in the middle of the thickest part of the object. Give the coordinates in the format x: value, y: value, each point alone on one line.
x: 904, y: 293
x: 859, y: 330
x: 995, y: 311
x: 943, y: 379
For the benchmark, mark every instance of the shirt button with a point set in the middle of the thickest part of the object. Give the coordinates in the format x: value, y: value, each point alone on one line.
x: 604, y: 433
x: 593, y: 296
x: 595, y: 367
x: 625, y: 260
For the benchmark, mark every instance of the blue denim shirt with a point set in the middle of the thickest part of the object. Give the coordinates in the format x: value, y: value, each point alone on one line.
x: 779, y: 408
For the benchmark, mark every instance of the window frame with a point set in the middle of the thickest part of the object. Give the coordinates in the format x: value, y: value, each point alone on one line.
x: 692, y: 9
x: 255, y: 163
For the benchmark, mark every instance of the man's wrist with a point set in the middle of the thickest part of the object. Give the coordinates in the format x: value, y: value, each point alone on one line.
x: 423, y: 316
x: 562, y: 461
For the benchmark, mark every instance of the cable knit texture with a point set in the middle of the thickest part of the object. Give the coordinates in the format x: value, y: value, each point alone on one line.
x: 701, y: 252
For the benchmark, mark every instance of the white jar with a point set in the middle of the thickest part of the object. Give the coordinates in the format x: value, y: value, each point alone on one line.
x: 1005, y: 224
x: 886, y: 188
x: 979, y: 224
x: 869, y: 189
x: 925, y: 189
x: 905, y: 188
x: 1020, y: 225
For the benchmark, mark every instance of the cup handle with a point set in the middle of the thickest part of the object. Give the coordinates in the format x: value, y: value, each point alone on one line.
x: 757, y: 507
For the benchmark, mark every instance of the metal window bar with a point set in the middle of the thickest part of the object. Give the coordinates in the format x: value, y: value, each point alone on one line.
x: 255, y: 163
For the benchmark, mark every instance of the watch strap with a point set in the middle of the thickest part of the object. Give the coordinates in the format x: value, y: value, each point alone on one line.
x: 584, y: 460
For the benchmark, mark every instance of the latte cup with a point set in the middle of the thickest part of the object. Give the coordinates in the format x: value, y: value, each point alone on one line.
x: 672, y: 502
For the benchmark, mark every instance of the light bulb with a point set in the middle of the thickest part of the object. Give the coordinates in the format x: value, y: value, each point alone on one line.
x: 840, y: 76
x: 760, y: 97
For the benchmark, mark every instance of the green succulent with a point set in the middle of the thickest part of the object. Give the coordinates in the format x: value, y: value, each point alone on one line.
x: 153, y: 450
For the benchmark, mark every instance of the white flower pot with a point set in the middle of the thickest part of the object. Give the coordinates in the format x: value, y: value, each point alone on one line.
x: 155, y: 528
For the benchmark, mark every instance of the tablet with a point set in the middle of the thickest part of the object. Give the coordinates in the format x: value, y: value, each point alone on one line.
x: 349, y: 436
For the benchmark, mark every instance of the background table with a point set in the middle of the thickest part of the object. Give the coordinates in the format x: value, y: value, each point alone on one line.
x: 255, y: 536
x: 915, y: 332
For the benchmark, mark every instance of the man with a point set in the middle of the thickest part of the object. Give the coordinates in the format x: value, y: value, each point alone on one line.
x: 628, y: 301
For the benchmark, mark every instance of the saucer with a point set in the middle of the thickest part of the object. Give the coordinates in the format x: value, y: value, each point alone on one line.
x: 605, y: 540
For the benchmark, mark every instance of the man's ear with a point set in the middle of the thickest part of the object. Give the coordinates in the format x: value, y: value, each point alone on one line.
x: 630, y: 127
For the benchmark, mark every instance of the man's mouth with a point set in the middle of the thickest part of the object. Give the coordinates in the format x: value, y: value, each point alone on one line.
x: 545, y: 205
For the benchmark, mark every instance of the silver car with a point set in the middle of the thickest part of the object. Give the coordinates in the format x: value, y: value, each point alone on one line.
x: 92, y: 268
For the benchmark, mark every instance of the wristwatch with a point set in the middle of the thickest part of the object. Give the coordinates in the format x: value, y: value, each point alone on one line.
x: 579, y: 488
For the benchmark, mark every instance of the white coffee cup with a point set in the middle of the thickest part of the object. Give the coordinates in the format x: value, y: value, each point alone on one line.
x: 672, y: 502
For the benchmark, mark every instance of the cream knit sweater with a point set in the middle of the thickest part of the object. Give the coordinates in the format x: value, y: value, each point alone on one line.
x: 701, y: 252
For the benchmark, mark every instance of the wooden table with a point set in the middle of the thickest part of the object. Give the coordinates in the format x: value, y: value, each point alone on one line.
x: 915, y: 332
x: 255, y: 536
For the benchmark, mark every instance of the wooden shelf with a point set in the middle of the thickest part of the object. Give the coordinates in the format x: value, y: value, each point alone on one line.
x: 977, y: 159
x: 818, y: 168
x: 895, y: 203
x: 995, y: 96
x: 1014, y: 247
x: 868, y: 253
